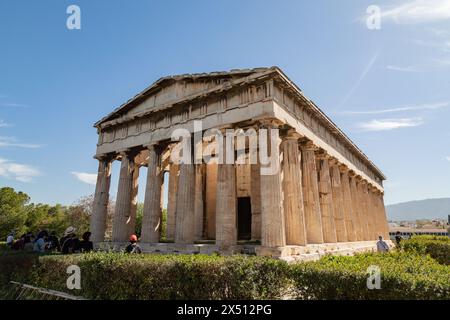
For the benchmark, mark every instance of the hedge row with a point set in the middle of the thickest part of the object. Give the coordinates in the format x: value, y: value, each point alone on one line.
x: 438, y: 247
x: 403, y: 276
x: 120, y: 276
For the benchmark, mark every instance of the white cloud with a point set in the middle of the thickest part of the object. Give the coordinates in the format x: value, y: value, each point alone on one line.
x: 14, y: 105
x: 390, y: 124
x: 430, y: 106
x: 404, y: 69
x: 12, y: 142
x: 418, y: 11
x: 17, y: 171
x: 89, y: 178
x: 448, y: 158
x: 4, y: 124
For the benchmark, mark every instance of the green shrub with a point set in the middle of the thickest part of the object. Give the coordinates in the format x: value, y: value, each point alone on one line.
x: 121, y: 276
x: 403, y: 276
x: 438, y: 247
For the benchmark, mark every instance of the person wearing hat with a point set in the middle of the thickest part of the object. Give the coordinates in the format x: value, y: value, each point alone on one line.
x: 69, y: 242
x: 133, y: 247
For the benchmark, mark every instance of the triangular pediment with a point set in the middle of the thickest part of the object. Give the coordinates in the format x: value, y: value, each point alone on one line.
x: 170, y: 89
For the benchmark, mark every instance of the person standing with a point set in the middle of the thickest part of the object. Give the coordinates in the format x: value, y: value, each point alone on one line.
x: 10, y: 239
x: 382, y: 245
x: 398, y: 238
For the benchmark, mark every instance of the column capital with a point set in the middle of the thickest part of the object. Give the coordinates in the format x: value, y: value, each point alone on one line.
x: 154, y: 146
x: 269, y: 124
x: 322, y: 154
x: 306, y: 145
x: 104, y: 156
x: 333, y: 161
x: 344, y: 169
x: 291, y: 134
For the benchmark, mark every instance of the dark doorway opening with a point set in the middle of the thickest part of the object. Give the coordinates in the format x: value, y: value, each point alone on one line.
x: 244, y: 218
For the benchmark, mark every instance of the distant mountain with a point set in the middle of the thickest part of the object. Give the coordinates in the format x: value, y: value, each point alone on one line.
x: 421, y: 209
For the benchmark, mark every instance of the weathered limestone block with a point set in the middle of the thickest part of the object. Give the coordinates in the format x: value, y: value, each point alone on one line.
x: 152, y: 215
x: 326, y: 200
x: 273, y: 232
x: 349, y: 215
x: 226, y: 231
x: 121, y: 220
x: 184, y: 229
x: 101, y: 199
x: 199, y: 201
x: 383, y: 219
x: 172, y: 201
x: 356, y: 207
x: 255, y: 198
x: 293, y: 193
x: 211, y: 185
x: 338, y: 203
x: 134, y: 201
x: 311, y: 201
x: 374, y: 214
x: 363, y: 204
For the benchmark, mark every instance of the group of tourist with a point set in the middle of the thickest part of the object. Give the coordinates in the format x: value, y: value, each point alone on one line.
x: 44, y: 241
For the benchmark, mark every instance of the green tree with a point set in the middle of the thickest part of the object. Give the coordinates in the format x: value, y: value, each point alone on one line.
x: 13, y: 211
x: 139, y: 214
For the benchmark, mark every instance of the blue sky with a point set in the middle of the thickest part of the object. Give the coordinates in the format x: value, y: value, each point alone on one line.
x: 388, y: 89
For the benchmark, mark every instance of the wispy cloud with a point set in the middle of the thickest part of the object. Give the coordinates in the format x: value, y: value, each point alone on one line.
x: 13, y: 105
x: 4, y: 124
x: 363, y: 74
x: 441, y: 44
x: 417, y: 11
x: 17, y: 171
x: 389, y: 124
x: 89, y: 178
x: 448, y: 158
x: 13, y: 142
x: 404, y: 69
x: 430, y: 106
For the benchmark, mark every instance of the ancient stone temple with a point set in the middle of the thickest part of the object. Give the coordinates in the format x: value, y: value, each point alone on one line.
x: 324, y: 195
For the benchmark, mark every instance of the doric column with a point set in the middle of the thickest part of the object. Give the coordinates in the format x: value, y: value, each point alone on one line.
x: 374, y: 213
x: 124, y: 197
x: 349, y: 215
x: 311, y: 201
x: 338, y: 202
x: 134, y: 201
x: 172, y: 201
x: 199, y: 201
x: 363, y: 205
x: 356, y: 208
x: 226, y: 231
x: 255, y: 198
x: 326, y: 199
x: 152, y: 216
x: 368, y: 211
x: 273, y: 232
x: 101, y: 199
x: 292, y: 191
x: 184, y: 226
x: 383, y: 217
